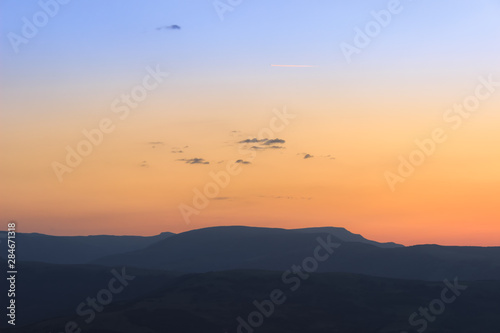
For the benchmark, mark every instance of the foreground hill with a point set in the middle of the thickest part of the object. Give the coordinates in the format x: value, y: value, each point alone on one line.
x: 47, y: 290
x: 323, y: 302
x: 75, y: 249
x: 227, y: 248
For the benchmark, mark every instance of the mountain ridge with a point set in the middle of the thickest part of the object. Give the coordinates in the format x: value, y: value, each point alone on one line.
x: 227, y: 248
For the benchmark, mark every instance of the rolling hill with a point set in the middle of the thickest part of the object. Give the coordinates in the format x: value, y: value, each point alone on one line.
x: 324, y: 302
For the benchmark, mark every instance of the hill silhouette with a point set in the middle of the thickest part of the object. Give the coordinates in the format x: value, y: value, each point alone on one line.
x: 325, y: 302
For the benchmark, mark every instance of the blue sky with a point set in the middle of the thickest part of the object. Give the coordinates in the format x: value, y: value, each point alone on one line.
x: 88, y: 39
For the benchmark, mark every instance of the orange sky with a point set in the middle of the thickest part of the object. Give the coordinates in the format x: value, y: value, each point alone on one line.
x: 451, y: 199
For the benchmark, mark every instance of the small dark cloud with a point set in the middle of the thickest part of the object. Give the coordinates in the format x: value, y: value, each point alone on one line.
x: 195, y: 160
x: 306, y: 156
x: 264, y: 142
x: 177, y: 151
x: 144, y: 164
x: 243, y: 162
x: 254, y: 140
x: 169, y: 27
x: 266, y: 147
x: 274, y: 141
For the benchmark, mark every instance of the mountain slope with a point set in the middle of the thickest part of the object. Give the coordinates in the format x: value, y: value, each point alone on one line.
x: 222, y: 248
x: 347, y: 236
x: 75, y: 249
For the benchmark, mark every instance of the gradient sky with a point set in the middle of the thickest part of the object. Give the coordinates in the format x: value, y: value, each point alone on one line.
x: 222, y: 88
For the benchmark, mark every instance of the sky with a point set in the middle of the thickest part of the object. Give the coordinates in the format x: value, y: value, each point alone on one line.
x: 289, y: 114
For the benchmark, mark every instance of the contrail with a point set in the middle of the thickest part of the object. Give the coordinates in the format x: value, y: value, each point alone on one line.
x: 292, y: 66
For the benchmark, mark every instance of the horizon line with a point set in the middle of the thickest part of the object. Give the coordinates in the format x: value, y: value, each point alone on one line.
x: 223, y: 226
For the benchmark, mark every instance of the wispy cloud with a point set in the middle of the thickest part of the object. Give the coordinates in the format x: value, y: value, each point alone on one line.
x: 195, y: 160
x: 274, y: 141
x: 169, y: 27
x: 307, y: 156
x: 267, y: 147
x: 154, y: 144
x: 253, y: 140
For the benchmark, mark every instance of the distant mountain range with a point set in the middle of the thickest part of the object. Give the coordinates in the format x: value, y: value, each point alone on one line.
x: 238, y: 247
x: 227, y: 248
x: 203, y: 280
x: 85, y: 249
x: 74, y: 249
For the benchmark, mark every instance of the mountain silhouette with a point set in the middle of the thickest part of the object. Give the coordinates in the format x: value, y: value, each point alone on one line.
x: 228, y: 248
x: 325, y: 302
x: 347, y: 236
x: 74, y: 249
